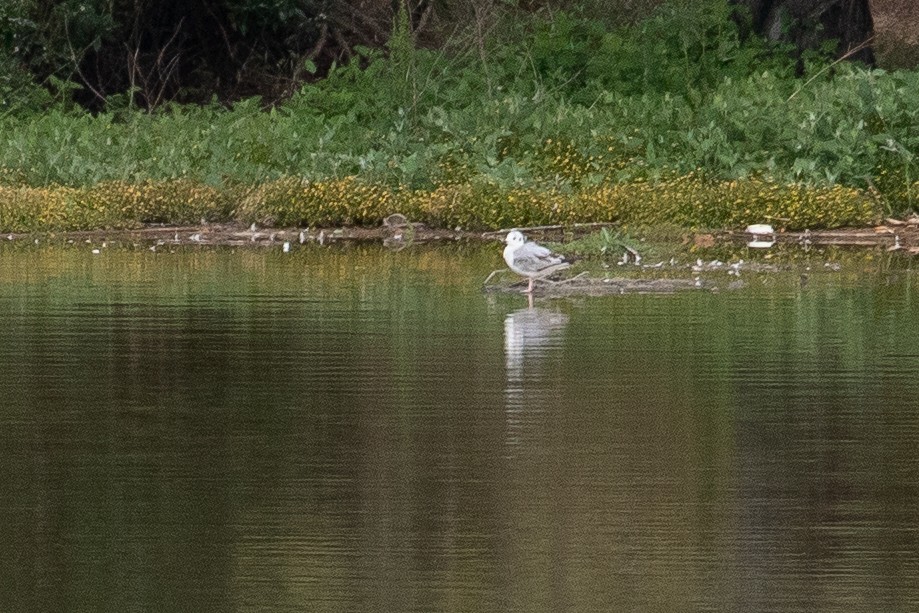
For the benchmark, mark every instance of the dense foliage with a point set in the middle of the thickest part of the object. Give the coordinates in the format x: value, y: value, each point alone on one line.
x: 559, y: 111
x: 147, y: 52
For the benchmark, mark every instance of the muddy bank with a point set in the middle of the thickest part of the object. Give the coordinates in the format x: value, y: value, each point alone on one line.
x: 253, y: 236
x: 893, y: 234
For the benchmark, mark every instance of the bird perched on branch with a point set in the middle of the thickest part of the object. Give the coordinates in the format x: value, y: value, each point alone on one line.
x: 530, y: 260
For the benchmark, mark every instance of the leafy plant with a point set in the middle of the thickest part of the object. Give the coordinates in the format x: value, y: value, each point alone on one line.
x: 561, y: 119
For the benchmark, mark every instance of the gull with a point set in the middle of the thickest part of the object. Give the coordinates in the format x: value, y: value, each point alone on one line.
x: 530, y: 260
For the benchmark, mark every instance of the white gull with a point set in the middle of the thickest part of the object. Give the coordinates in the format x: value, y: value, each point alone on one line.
x: 530, y: 260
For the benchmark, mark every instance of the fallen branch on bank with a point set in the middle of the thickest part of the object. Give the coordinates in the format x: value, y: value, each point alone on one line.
x: 575, y: 226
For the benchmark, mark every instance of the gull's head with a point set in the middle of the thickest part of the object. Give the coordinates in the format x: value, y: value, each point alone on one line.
x: 515, y: 238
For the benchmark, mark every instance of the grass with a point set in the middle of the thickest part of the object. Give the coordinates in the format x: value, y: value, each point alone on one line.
x: 688, y: 201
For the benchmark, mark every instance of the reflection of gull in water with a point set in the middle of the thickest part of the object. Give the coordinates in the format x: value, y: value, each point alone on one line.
x: 763, y: 236
x: 529, y: 336
x: 530, y: 260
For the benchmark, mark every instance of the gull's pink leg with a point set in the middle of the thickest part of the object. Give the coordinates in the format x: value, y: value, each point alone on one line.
x: 530, y: 288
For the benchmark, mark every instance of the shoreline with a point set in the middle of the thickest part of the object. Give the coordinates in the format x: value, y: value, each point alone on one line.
x: 894, y: 234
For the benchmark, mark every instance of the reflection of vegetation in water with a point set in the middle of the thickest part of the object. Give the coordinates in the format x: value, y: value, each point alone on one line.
x: 307, y: 390
x: 184, y: 271
x: 811, y: 344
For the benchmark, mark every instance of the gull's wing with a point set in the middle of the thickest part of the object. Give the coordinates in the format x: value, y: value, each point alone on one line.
x: 535, y: 250
x: 534, y: 258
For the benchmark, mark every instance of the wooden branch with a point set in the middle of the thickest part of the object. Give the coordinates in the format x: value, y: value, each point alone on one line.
x: 345, y: 47
x: 320, y: 44
x: 595, y: 224
x: 309, y: 56
x: 425, y: 15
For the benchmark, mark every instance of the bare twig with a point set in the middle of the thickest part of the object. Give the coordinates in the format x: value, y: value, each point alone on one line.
x: 76, y: 62
x: 862, y: 45
x: 223, y: 31
x: 493, y: 273
x: 133, y: 73
x: 155, y: 80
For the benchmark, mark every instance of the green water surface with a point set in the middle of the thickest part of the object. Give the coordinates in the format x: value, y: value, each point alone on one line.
x: 349, y: 428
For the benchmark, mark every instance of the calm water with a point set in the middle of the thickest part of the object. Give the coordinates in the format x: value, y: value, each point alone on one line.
x: 351, y: 429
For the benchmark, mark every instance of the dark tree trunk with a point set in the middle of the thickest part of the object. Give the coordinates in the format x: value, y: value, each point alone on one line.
x: 809, y: 23
x: 896, y: 29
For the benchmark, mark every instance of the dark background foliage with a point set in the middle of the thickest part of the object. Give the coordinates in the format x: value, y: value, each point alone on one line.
x: 108, y: 53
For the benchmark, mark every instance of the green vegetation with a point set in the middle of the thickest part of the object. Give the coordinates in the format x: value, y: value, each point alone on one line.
x: 556, y: 118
